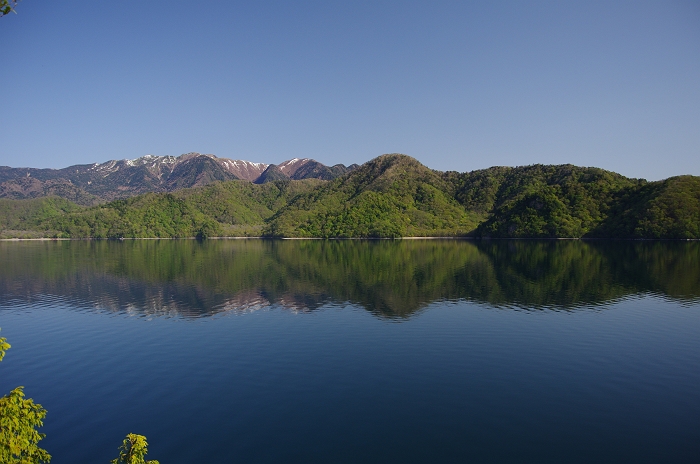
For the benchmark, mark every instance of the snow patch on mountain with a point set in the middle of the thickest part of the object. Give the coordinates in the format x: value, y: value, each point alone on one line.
x: 291, y: 166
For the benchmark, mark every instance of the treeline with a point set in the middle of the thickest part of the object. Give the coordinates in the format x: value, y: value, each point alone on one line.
x: 390, y: 196
x: 227, y: 208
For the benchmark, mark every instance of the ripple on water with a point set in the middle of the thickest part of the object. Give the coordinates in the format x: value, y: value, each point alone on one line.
x: 355, y: 361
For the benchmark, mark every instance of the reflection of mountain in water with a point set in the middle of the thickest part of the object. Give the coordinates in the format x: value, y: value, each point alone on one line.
x: 388, y: 278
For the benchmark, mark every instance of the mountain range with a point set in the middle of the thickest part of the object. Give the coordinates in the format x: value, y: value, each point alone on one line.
x: 390, y: 196
x: 89, y: 184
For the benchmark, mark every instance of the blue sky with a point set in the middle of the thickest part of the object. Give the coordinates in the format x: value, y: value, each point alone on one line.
x: 457, y: 85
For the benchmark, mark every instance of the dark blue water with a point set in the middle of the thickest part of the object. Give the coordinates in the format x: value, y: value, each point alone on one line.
x: 448, y: 351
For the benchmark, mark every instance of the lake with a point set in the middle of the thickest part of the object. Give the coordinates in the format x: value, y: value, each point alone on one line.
x: 288, y: 351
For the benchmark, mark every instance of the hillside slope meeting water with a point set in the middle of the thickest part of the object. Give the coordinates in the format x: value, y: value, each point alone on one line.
x: 388, y: 197
x: 376, y: 351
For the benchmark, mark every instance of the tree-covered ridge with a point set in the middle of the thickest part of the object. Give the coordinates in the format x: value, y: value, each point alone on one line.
x: 19, y: 420
x: 225, y: 208
x: 390, y: 196
x: 394, y: 195
x: 28, y: 218
x: 541, y: 201
x: 666, y: 209
x: 573, y: 202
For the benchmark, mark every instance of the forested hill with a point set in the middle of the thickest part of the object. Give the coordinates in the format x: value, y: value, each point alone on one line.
x: 389, y: 196
x: 569, y: 201
x: 394, y: 195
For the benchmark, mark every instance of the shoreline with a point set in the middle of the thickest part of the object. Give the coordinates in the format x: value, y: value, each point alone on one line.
x: 63, y: 239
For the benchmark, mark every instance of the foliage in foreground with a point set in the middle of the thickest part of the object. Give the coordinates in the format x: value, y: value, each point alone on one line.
x: 19, y: 439
x: 133, y: 451
x: 7, y: 6
x: 19, y: 419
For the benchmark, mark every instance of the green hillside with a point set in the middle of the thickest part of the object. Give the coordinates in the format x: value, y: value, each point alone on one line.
x: 541, y: 201
x: 394, y: 195
x: 390, y: 196
x: 27, y: 218
x: 666, y: 209
x: 234, y: 208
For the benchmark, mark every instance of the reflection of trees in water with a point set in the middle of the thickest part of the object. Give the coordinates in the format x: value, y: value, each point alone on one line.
x: 388, y: 278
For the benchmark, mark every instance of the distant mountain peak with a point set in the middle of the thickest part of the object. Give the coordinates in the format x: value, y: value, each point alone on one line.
x: 152, y: 173
x: 291, y: 166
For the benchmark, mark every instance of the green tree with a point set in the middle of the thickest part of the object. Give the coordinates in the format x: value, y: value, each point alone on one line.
x: 4, y: 346
x: 7, y: 6
x: 133, y: 451
x: 19, y: 419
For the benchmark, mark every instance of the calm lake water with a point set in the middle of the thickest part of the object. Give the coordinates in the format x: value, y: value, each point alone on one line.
x: 255, y: 351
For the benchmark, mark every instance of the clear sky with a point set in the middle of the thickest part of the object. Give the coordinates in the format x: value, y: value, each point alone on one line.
x: 458, y: 85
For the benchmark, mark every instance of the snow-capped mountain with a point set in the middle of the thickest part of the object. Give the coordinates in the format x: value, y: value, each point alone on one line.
x: 91, y: 183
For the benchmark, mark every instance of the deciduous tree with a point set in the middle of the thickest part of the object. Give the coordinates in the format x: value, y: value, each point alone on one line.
x: 133, y: 451
x: 19, y: 419
x: 7, y: 6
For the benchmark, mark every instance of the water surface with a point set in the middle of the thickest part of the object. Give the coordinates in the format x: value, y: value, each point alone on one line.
x: 353, y: 351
